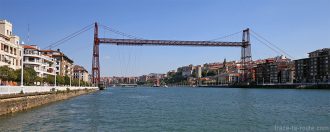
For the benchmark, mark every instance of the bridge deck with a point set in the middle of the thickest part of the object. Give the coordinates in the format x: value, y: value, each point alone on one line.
x: 140, y: 42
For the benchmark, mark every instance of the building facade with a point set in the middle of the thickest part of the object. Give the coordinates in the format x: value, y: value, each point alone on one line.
x: 315, y: 68
x: 81, y: 73
x: 186, y: 71
x: 10, y: 50
x: 275, y: 70
x: 43, y: 64
x: 63, y: 64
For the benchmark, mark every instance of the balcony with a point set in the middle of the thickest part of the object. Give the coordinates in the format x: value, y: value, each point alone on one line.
x: 31, y: 55
x: 28, y: 62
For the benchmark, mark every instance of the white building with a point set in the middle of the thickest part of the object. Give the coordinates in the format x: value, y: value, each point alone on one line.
x: 186, y: 70
x: 64, y: 65
x: 44, y: 65
x: 81, y: 73
x: 10, y: 51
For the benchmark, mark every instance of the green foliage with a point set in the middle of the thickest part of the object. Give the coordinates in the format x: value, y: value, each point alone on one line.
x: 60, y: 80
x: 49, y: 79
x: 204, y: 73
x: 39, y: 79
x: 66, y: 80
x: 211, y: 73
x: 7, y: 74
x: 207, y: 73
x: 194, y: 73
x: 75, y: 82
x: 176, y: 78
x: 29, y: 75
x: 140, y: 83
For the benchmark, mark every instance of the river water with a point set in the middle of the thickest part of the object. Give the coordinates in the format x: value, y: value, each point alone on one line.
x: 180, y: 109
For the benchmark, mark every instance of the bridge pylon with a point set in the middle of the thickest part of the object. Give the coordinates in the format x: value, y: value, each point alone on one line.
x: 96, y: 58
x: 246, y: 56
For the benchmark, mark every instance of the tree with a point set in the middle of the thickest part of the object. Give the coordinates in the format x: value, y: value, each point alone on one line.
x: 29, y: 75
x: 60, y: 80
x: 49, y: 79
x: 204, y: 73
x: 176, y: 78
x: 66, y: 80
x: 39, y: 79
x: 75, y: 82
x: 211, y: 73
x: 7, y: 74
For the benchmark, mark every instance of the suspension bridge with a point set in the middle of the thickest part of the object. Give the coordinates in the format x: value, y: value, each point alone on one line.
x: 244, y: 44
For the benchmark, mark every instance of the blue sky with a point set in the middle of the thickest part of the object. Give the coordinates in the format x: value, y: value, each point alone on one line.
x: 297, y: 26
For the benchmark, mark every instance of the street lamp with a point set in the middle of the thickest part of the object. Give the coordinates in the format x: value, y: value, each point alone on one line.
x: 55, y: 74
x: 79, y: 77
x: 22, y: 68
x: 71, y: 75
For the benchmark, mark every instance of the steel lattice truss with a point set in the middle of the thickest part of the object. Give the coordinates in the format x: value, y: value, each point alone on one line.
x: 141, y: 42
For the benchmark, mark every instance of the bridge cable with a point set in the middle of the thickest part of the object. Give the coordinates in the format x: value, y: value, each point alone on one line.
x: 272, y: 44
x: 70, y: 36
x: 120, y: 33
x: 266, y: 44
x: 226, y: 36
x: 130, y: 60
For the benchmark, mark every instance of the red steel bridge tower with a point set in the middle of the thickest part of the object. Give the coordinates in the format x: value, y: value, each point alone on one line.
x: 245, y: 45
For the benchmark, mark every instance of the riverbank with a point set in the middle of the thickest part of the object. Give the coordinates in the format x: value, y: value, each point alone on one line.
x: 12, y: 103
x: 316, y: 86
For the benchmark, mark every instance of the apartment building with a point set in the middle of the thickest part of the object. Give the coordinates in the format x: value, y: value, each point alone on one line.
x: 81, y: 73
x: 186, y: 70
x: 302, y: 70
x: 43, y: 64
x: 315, y: 69
x: 63, y: 64
x: 275, y: 70
x: 10, y: 50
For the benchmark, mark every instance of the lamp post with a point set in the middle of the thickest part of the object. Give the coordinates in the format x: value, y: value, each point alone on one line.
x: 55, y: 75
x: 71, y: 75
x: 79, y: 77
x: 22, y: 68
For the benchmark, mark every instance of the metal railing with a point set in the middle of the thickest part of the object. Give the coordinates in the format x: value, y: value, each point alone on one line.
x: 36, y: 89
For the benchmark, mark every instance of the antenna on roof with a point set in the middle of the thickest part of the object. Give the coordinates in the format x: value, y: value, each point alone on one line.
x: 28, y: 34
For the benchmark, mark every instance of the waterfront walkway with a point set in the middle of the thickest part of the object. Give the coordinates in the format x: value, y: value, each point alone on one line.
x: 36, y: 89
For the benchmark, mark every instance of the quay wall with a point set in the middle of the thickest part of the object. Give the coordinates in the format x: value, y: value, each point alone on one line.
x: 19, y: 102
x: 316, y: 86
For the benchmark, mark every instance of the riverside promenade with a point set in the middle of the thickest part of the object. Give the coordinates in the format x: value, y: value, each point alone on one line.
x: 16, y: 98
x: 4, y: 90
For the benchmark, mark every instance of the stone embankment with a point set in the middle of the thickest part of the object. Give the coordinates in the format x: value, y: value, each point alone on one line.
x: 10, y: 103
